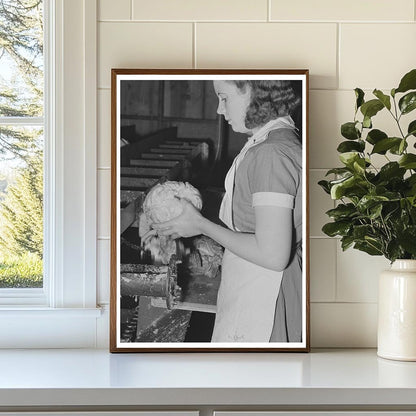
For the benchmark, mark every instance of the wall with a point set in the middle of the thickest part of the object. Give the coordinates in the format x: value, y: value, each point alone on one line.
x: 345, y: 44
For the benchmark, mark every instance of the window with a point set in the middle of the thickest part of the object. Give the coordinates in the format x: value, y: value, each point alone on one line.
x: 22, y: 127
x: 63, y: 312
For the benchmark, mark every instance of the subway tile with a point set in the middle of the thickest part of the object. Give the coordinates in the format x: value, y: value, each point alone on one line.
x: 270, y: 46
x: 104, y: 129
x: 323, y: 269
x: 200, y: 10
x: 319, y: 203
x: 114, y: 10
x: 104, y: 202
x: 103, y: 271
x: 142, y: 45
x: 343, y: 325
x: 376, y: 55
x: 341, y: 10
x: 327, y: 111
x: 357, y: 275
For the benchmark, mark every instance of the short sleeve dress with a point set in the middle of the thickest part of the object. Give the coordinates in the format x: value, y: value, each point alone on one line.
x: 248, y: 309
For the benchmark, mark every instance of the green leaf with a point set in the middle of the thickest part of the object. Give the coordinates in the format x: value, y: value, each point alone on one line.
x: 359, y: 165
x: 375, y: 211
x: 402, y: 147
x: 350, y: 146
x: 368, y: 248
x: 342, y: 211
x: 375, y: 136
x: 349, y: 131
x: 348, y: 158
x: 367, y: 122
x: 333, y: 229
x: 351, y: 186
x: 359, y: 232
x: 369, y: 201
x: 391, y: 170
x: 346, y: 242
x: 398, y: 149
x: 408, y: 82
x: 325, y: 186
x: 386, y: 144
x: 393, y: 250
x: 338, y: 171
x: 338, y: 187
x: 407, y: 240
x: 408, y: 161
x: 371, y: 108
x: 408, y: 102
x: 411, y: 130
x: 359, y: 95
x: 385, y: 99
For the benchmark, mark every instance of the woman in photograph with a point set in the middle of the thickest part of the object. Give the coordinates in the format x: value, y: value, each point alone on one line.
x: 259, y: 299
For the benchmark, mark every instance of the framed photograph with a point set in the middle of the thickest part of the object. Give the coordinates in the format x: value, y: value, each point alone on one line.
x: 209, y: 212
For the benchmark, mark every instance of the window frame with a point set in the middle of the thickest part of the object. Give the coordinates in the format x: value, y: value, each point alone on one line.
x: 70, y: 208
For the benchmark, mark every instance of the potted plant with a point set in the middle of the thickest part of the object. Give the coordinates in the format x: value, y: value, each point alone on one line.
x: 376, y: 206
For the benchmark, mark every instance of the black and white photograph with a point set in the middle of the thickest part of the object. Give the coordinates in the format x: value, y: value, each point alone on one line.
x: 209, y: 236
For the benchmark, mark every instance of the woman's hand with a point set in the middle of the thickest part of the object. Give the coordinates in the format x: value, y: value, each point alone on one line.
x: 187, y: 224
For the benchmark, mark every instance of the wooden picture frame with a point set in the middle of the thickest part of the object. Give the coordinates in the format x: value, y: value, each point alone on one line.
x: 165, y: 129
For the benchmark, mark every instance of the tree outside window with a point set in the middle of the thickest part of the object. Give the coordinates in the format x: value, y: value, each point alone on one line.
x: 21, y: 143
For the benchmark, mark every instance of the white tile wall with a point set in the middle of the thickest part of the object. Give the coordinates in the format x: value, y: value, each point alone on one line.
x: 345, y: 44
x: 344, y: 325
x: 200, y: 10
x: 376, y: 55
x: 271, y: 45
x: 114, y: 10
x: 341, y: 10
x: 142, y: 45
x: 323, y: 269
x: 357, y: 275
x: 327, y: 111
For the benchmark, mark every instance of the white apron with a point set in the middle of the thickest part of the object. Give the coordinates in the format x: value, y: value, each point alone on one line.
x: 247, y: 295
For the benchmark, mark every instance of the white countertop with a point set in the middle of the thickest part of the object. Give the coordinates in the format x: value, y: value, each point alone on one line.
x: 96, y: 377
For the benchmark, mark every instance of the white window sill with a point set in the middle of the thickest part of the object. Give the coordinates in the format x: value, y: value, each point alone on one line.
x: 40, y: 327
x: 36, y: 312
x: 331, y: 379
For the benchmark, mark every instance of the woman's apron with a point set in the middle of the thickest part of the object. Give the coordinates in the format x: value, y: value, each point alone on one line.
x: 247, y: 295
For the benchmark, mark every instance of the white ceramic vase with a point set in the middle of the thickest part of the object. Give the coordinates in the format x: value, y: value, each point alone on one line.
x: 397, y: 312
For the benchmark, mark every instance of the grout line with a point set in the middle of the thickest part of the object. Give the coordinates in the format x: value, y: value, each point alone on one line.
x: 344, y: 303
x: 194, y: 63
x: 309, y: 22
x: 104, y: 168
x: 338, y: 63
x: 100, y: 238
x: 336, y: 270
x: 269, y: 10
x: 131, y: 9
x: 323, y: 237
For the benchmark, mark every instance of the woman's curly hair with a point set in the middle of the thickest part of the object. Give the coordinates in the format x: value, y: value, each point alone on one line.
x: 268, y: 100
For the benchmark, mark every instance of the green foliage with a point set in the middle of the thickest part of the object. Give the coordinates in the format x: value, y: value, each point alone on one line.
x: 376, y: 210
x: 21, y: 95
x: 21, y: 271
x: 21, y: 91
x: 21, y: 213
